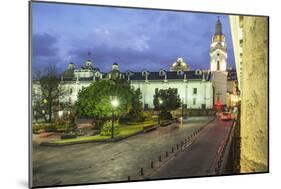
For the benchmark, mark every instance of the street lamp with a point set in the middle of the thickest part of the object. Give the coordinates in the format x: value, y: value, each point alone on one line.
x: 114, y: 104
x: 45, y: 101
x: 160, y: 102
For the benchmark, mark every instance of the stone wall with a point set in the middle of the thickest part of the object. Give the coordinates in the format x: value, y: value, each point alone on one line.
x: 254, y: 95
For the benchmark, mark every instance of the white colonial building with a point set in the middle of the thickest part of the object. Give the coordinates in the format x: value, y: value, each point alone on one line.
x: 196, y: 88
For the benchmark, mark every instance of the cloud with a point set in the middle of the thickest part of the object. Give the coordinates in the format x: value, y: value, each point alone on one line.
x: 128, y: 59
x: 45, y: 51
x: 124, y: 39
x: 44, y: 45
x: 137, y: 39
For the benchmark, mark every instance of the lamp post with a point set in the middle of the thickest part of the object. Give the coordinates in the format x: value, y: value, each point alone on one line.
x: 114, y: 104
x: 160, y: 102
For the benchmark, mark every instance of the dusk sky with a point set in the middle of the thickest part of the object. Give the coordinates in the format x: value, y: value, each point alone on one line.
x: 136, y: 39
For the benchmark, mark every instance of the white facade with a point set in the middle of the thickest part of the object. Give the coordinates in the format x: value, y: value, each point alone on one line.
x: 194, y: 94
x: 194, y: 87
x: 218, y: 60
x: 237, y: 40
x: 72, y: 89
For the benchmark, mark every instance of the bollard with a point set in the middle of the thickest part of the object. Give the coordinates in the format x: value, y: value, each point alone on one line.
x: 141, y: 172
x: 129, y: 178
x: 177, y: 146
x: 172, y: 149
x: 151, y: 164
x: 160, y: 159
x: 167, y: 154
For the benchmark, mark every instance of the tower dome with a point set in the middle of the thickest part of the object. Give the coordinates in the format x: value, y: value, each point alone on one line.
x: 218, y: 36
x: 114, y: 74
x: 179, y: 65
x: 71, y: 66
x: 115, y: 66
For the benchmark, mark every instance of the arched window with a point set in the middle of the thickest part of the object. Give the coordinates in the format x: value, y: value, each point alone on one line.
x: 162, y: 73
x: 198, y: 72
x: 145, y: 72
x: 97, y: 74
x: 179, y: 72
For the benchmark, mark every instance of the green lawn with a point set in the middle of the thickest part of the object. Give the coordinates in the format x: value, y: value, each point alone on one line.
x: 125, y: 130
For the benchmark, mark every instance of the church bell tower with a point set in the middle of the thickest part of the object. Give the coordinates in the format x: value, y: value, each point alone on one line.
x: 218, y: 65
x: 218, y: 50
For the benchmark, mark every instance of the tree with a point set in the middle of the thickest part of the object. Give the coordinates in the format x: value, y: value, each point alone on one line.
x: 170, y: 100
x: 47, y: 94
x: 95, y: 100
x: 136, y: 102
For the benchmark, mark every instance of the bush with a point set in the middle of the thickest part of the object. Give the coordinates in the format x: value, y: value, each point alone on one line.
x: 147, y: 116
x: 107, y: 128
x: 97, y: 124
x: 166, y: 116
x: 136, y: 117
x: 125, y: 119
x: 64, y: 123
x: 58, y: 125
x: 47, y: 127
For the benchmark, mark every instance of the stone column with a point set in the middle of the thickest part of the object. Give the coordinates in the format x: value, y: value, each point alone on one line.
x: 254, y: 95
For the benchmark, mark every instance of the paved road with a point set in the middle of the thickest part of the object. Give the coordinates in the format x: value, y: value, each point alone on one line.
x: 104, y: 162
x: 197, y: 159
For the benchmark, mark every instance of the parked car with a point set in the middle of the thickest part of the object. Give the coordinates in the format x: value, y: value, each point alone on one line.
x: 225, y: 116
